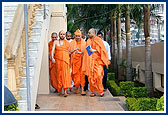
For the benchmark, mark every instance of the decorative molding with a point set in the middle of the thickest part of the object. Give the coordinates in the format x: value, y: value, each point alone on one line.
x: 57, y: 14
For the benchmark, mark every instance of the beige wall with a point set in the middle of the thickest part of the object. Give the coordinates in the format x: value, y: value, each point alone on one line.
x: 157, y: 55
x: 58, y: 20
x: 43, y: 87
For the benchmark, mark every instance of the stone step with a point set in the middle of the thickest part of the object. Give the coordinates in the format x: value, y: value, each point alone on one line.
x: 40, y: 11
x: 38, y: 23
x: 31, y: 70
x: 36, y: 30
x: 10, y: 8
x: 32, y: 61
x: 24, y: 81
x: 8, y: 18
x: 22, y: 105
x: 8, y: 13
x: 6, y: 81
x: 5, y: 72
x: 39, y: 18
x: 33, y: 53
x: 6, y: 32
x: 33, y: 50
x: 7, y: 25
x: 34, y: 45
x: 23, y: 93
x: 35, y: 37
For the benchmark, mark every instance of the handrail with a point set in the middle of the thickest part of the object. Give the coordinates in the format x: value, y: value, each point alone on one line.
x: 44, y: 38
x: 15, y: 48
x: 27, y: 57
x: 15, y: 33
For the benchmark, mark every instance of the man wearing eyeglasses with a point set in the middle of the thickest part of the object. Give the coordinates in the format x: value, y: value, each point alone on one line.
x: 52, y: 67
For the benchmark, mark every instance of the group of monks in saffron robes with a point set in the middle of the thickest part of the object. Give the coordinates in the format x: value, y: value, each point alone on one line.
x: 64, y: 55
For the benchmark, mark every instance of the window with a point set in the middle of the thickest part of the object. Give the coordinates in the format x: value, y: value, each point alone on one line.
x: 162, y: 80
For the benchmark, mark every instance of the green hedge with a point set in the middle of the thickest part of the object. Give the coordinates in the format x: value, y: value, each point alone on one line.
x: 114, y: 88
x: 131, y: 103
x: 160, y: 104
x: 141, y: 104
x: 126, y: 88
x: 138, y: 92
x: 111, y: 76
x: 13, y: 107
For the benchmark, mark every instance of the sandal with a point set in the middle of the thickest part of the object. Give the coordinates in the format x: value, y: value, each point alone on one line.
x: 101, y: 94
x: 92, y: 94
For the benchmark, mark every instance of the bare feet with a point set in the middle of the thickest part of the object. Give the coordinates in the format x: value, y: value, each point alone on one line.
x: 83, y: 93
x: 65, y: 94
x: 77, y: 91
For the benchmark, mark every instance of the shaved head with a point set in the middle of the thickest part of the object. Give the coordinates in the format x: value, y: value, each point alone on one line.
x: 62, y: 31
x: 62, y: 35
x: 92, y: 33
x: 92, y: 30
x: 68, y: 35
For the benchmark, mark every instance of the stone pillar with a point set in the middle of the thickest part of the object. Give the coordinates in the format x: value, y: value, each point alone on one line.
x: 12, y: 78
x: 58, y: 19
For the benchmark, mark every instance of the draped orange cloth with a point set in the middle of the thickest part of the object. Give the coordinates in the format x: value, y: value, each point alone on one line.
x: 76, y: 62
x: 52, y: 68
x: 93, y: 64
x: 63, y: 66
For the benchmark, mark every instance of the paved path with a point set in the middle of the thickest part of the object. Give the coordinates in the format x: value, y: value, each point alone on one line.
x: 76, y: 102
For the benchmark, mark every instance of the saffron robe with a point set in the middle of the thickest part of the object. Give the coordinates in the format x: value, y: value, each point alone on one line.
x: 76, y: 62
x: 63, y: 66
x: 52, y: 68
x: 93, y: 64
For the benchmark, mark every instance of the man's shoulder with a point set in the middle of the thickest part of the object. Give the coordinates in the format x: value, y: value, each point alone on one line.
x: 98, y: 39
x: 50, y: 42
x: 66, y: 42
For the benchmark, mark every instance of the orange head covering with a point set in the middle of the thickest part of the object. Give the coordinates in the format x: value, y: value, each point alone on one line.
x: 78, y: 32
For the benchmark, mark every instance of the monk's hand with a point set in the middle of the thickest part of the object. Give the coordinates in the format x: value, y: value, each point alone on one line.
x: 53, y: 60
x: 82, y: 52
x: 76, y: 49
x: 92, y: 50
x: 78, y: 52
x: 109, y: 62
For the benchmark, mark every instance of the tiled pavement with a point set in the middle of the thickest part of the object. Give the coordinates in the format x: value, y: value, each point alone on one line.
x: 76, y: 102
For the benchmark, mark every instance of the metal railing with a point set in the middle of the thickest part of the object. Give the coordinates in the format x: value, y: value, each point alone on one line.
x: 27, y: 58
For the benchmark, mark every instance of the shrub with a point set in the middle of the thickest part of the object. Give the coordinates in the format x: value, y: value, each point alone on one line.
x: 138, y: 92
x: 131, y: 103
x: 111, y: 76
x: 141, y: 104
x: 147, y: 104
x: 160, y: 104
x: 114, y: 88
x: 126, y: 88
x: 13, y: 107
